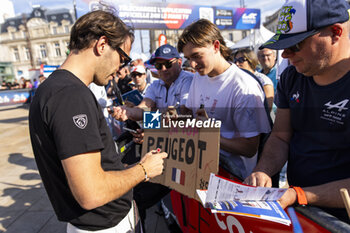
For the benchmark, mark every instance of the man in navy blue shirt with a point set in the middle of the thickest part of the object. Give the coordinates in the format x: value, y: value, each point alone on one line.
x: 312, y: 124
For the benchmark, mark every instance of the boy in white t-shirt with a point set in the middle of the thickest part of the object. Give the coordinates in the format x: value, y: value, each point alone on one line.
x: 227, y: 93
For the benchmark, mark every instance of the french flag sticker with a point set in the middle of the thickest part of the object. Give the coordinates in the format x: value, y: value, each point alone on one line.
x: 178, y: 176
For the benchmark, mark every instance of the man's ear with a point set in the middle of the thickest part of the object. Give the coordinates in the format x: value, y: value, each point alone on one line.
x: 101, y: 45
x: 337, y: 31
x: 216, y: 44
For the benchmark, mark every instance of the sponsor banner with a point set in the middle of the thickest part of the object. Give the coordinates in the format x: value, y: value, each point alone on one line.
x: 161, y: 15
x: 12, y: 97
x: 193, y: 153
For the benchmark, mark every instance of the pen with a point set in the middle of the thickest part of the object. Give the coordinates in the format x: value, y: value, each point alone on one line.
x: 130, y: 130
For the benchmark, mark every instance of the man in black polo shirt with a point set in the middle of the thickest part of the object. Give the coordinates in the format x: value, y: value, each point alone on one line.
x: 86, y: 182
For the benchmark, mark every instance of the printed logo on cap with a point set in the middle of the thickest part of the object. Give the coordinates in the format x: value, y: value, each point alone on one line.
x: 285, y: 23
x: 166, y: 50
x: 293, y: 17
x: 80, y: 121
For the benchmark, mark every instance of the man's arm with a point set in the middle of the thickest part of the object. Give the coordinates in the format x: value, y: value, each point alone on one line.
x: 269, y: 93
x: 325, y: 195
x: 243, y: 146
x: 93, y: 187
x: 122, y: 113
x: 275, y: 153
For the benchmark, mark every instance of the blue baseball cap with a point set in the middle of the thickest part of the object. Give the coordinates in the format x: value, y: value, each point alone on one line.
x: 300, y: 19
x: 166, y: 52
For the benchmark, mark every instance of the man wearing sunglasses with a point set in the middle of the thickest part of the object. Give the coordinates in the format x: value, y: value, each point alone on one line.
x: 170, y: 90
x: 312, y: 124
x: 138, y: 76
x: 82, y: 172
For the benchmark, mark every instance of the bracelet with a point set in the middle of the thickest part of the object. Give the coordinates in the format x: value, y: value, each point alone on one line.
x: 143, y: 168
x: 302, y: 200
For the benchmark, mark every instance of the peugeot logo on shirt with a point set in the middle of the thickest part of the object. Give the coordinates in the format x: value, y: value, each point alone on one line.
x: 80, y: 121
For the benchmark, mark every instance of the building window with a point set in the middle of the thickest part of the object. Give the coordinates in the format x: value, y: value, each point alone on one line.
x: 26, y: 49
x: 57, y: 49
x: 43, y: 52
x: 230, y: 36
x: 66, y: 29
x: 16, y: 54
x: 13, y: 35
x: 54, y: 30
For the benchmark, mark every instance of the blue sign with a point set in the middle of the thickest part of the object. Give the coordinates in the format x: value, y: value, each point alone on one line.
x: 160, y: 15
x: 47, y: 70
x: 12, y: 97
x: 151, y: 120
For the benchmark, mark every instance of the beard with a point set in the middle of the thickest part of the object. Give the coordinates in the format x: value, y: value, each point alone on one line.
x: 101, y: 81
x: 318, y: 66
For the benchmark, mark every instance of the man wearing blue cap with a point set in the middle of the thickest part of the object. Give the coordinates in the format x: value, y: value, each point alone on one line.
x: 312, y: 124
x: 170, y: 90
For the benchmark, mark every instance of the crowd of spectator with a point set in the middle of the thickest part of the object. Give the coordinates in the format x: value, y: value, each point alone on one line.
x: 22, y: 83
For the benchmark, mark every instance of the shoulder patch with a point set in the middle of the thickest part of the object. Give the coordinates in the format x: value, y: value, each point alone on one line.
x: 80, y: 121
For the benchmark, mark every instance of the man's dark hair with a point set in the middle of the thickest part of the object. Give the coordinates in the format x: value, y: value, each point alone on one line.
x: 91, y: 26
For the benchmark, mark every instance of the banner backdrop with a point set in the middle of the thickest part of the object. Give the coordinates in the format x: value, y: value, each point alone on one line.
x: 160, y: 15
x: 13, y: 97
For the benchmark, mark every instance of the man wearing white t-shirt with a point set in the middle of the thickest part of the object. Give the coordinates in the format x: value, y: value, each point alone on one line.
x: 227, y: 94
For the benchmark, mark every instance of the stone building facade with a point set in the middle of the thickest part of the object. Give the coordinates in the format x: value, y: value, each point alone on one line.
x: 40, y: 37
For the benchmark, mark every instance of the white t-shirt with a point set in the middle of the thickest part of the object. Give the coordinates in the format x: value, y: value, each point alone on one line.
x: 263, y: 79
x: 235, y: 98
x: 177, y: 92
x: 101, y: 96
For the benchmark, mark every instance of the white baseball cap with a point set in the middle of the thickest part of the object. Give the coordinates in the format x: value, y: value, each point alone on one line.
x: 138, y: 69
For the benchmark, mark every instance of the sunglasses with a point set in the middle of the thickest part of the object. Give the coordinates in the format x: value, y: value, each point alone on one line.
x: 240, y: 60
x: 167, y: 65
x: 124, y: 58
x: 295, y: 48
